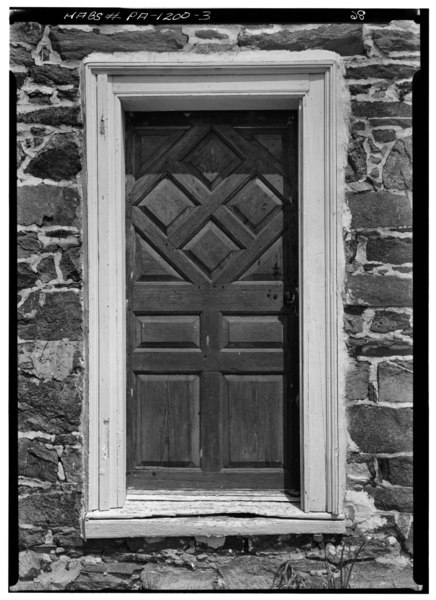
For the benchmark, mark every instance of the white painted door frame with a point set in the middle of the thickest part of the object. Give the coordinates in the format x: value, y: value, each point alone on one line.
x: 248, y: 80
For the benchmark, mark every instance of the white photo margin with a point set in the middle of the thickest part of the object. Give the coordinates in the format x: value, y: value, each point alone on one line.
x: 308, y: 81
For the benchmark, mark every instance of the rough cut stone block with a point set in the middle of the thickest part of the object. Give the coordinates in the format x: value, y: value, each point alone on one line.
x: 72, y: 463
x: 378, y: 347
x: 357, y: 381
x: 27, y: 32
x: 21, y: 56
x: 54, y: 74
x: 376, y: 290
x: 62, y: 508
x: 47, y: 205
x: 392, y: 498
x: 402, y: 122
x: 384, y: 135
x: 397, y: 171
x: 71, y: 265
x: 61, y: 575
x: 37, y: 461
x: 68, y: 537
x: 211, y: 34
x: 356, y: 161
x: 27, y: 244
x: 379, y: 209
x: 71, y: 95
x: 389, y: 250
x: 250, y: 572
x: 98, y: 582
x: 26, y: 276
x: 31, y: 536
x: 162, y: 577
x: 395, y: 382
x: 55, y: 115
x: 392, y: 40
x: 49, y: 406
x: 359, y: 126
x: 47, y: 270
x: 397, y: 470
x: 49, y: 360
x: 51, y: 316
x: 359, y: 88
x: 20, y: 78
x: 378, y: 575
x: 59, y: 159
x: 29, y: 564
x: 381, y: 71
x: 388, y: 320
x: 353, y: 323
x: 73, y: 44
x: 114, y: 568
x: 380, y: 428
x: 38, y: 97
x: 380, y: 109
x: 341, y: 38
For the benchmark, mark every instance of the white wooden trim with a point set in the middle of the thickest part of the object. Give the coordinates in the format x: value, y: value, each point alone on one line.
x: 92, y: 284
x: 208, y: 526
x: 172, y: 82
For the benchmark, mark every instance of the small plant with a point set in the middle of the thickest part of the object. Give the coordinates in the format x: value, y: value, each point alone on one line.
x: 345, y: 567
x: 287, y: 578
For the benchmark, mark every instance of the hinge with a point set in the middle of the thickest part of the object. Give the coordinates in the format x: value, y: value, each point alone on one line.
x: 102, y: 125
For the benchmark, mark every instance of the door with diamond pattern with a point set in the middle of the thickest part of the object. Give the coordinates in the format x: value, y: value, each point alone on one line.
x: 212, y: 340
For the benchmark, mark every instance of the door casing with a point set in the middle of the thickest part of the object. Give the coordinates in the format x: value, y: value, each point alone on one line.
x: 309, y: 81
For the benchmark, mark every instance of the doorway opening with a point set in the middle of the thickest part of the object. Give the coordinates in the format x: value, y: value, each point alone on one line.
x: 212, y: 311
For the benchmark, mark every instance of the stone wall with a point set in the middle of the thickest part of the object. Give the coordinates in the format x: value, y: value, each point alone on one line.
x: 379, y: 62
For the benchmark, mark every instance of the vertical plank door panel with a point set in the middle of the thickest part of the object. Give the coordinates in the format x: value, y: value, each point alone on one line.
x: 169, y: 423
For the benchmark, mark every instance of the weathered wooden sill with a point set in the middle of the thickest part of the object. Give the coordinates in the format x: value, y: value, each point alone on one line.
x: 201, y: 513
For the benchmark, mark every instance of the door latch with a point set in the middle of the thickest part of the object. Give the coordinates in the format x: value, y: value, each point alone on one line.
x: 291, y: 299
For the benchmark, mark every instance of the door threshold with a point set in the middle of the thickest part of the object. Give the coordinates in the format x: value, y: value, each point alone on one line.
x: 227, y: 495
x: 185, y: 513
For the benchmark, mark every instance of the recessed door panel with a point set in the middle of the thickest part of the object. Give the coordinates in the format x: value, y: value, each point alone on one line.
x: 255, y: 420
x: 168, y: 426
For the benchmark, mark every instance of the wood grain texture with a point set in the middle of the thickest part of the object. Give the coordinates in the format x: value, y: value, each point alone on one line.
x: 251, y: 332
x: 211, y: 495
x: 168, y: 427
x: 210, y: 526
x: 251, y: 360
x: 215, y: 206
x: 197, y: 505
x: 173, y: 478
x: 160, y: 331
x: 247, y: 297
x: 255, y: 418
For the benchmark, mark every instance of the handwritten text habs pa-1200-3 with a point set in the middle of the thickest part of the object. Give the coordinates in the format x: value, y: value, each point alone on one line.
x: 137, y: 16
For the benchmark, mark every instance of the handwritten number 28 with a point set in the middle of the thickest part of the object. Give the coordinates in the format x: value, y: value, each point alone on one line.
x: 357, y: 14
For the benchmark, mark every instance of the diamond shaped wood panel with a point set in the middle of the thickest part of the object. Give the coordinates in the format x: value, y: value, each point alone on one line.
x: 166, y: 203
x: 210, y: 248
x: 255, y: 204
x: 212, y: 159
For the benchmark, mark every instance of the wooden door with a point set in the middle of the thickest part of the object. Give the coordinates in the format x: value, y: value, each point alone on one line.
x: 212, y: 276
